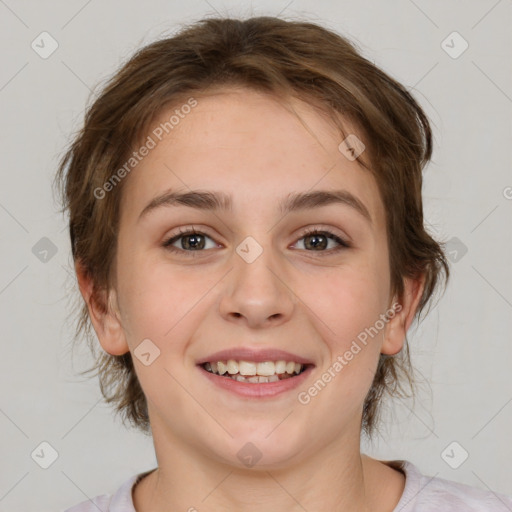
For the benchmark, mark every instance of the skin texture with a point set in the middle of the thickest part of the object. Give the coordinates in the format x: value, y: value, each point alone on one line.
x: 292, y: 297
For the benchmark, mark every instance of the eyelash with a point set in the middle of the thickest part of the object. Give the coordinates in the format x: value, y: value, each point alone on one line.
x: 167, y: 244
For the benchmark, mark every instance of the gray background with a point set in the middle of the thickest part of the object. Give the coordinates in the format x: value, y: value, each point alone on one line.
x: 462, y: 350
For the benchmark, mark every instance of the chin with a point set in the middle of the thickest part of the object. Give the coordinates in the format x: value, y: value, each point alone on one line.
x: 257, y: 450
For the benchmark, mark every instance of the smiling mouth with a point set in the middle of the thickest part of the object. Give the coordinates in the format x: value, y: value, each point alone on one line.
x: 255, y: 373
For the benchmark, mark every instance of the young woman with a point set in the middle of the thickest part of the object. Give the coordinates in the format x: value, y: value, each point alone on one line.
x: 246, y: 223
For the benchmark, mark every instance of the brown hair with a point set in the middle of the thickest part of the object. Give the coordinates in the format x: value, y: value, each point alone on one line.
x: 283, y: 58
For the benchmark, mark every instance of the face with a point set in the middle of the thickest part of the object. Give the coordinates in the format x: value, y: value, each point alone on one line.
x: 251, y: 277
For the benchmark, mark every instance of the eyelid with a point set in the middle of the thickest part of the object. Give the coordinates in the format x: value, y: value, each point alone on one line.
x: 343, y: 241
x: 182, y: 232
x: 326, y: 229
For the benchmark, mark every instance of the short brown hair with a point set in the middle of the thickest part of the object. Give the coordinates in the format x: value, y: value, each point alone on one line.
x: 279, y: 57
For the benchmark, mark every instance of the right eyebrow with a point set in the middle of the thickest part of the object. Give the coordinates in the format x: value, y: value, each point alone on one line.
x: 200, y: 200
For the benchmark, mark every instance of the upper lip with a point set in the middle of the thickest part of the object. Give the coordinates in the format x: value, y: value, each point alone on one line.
x: 257, y: 355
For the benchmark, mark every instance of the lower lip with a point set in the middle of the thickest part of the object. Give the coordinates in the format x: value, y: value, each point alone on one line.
x: 259, y: 390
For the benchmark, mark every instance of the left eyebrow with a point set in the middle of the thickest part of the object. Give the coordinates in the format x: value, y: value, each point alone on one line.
x: 214, y: 201
x: 319, y: 198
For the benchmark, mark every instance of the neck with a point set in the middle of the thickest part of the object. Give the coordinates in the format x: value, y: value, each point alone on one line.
x: 338, y: 477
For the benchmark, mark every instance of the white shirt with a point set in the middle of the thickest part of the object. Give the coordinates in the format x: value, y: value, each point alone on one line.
x: 421, y: 494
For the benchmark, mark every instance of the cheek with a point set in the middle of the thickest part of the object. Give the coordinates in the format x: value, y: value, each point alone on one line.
x: 346, y: 301
x: 347, y: 309
x: 159, y: 300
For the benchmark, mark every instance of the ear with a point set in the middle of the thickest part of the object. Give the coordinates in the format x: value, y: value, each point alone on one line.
x: 397, y: 327
x: 103, y: 312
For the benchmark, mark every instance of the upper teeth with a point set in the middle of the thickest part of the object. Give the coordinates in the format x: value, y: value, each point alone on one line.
x: 265, y: 368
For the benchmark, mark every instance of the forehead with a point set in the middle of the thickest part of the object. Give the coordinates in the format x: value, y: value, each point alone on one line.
x: 250, y: 146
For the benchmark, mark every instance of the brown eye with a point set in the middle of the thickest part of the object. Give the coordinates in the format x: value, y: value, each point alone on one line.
x: 317, y: 241
x: 190, y: 241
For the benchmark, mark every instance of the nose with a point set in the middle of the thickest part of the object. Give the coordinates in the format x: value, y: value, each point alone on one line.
x: 257, y: 292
